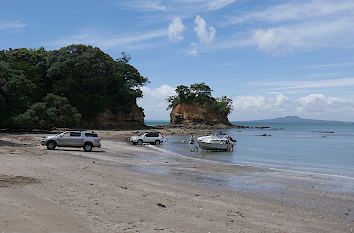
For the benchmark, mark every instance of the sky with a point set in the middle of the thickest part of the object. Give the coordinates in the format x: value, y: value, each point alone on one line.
x: 272, y: 57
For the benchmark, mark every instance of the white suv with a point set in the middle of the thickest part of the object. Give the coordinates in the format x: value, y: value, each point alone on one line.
x: 148, y: 137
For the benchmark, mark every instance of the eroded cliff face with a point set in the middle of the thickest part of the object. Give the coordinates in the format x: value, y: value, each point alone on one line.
x: 120, y: 120
x: 193, y: 114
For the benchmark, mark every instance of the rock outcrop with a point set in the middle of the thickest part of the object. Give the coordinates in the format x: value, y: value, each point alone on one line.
x: 120, y: 120
x: 195, y: 114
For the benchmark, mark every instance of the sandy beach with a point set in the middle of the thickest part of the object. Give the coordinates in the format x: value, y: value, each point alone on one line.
x: 125, y: 188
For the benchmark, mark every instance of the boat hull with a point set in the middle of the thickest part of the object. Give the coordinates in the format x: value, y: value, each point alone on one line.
x: 214, y: 146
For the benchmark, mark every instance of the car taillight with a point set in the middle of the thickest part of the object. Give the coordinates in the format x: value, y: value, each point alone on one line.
x: 99, y: 140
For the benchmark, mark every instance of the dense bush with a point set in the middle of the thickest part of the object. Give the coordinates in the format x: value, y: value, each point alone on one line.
x: 54, y: 111
x: 90, y: 80
x: 200, y: 93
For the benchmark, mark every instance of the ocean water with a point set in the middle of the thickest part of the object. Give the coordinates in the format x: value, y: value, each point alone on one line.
x: 316, y: 148
x: 156, y: 122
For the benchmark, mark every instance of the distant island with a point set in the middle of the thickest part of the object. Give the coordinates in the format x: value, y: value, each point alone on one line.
x: 295, y: 119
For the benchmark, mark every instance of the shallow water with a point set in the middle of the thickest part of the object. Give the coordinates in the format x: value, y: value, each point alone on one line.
x: 312, y: 148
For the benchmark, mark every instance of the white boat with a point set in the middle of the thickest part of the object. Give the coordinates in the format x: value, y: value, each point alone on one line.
x: 219, y: 141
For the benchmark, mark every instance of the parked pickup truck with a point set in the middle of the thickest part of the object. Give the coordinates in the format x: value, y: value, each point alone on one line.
x: 85, y: 140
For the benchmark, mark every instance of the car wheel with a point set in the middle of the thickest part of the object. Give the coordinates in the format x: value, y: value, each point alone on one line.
x: 88, y: 147
x: 51, y: 145
x: 140, y: 142
x: 157, y: 142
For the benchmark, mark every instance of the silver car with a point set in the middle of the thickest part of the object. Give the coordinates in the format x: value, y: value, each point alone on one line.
x: 147, y: 137
x: 85, y: 140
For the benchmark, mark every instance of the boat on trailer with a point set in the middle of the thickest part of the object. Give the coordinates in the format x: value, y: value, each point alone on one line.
x: 216, y: 142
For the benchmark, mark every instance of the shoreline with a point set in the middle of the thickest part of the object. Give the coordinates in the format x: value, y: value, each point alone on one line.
x: 326, y: 175
x: 179, y: 128
x: 197, y: 195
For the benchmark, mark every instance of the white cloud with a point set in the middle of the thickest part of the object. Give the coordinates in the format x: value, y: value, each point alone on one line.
x: 192, y: 51
x: 302, y: 36
x: 296, y: 11
x: 330, y: 65
x: 6, y: 25
x: 316, y: 106
x: 175, y: 30
x: 203, y: 5
x: 276, y: 102
x: 154, y: 102
x: 185, y: 7
x: 108, y: 40
x: 217, y: 4
x: 287, y: 85
x: 204, y: 34
x: 295, y: 26
x: 320, y: 104
x: 146, y: 5
x: 305, y: 35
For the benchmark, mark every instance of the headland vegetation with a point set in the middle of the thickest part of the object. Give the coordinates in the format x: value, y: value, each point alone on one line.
x: 75, y: 86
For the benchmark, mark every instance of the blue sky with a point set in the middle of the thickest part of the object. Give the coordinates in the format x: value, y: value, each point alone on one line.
x: 273, y: 58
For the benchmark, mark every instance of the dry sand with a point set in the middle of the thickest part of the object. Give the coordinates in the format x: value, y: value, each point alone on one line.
x: 125, y: 188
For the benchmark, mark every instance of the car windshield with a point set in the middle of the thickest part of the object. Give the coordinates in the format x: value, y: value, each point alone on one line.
x: 142, y: 134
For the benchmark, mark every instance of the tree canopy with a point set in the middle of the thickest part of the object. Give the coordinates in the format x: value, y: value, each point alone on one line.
x: 53, y: 111
x: 83, y: 81
x: 200, y: 93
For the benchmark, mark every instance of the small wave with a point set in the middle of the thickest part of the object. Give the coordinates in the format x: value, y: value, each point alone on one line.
x: 164, y: 150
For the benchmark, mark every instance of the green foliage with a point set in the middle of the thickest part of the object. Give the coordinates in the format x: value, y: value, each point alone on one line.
x: 91, y: 81
x: 125, y: 58
x: 201, y: 89
x: 200, y: 93
x: 53, y: 111
x: 224, y: 105
x: 15, y: 92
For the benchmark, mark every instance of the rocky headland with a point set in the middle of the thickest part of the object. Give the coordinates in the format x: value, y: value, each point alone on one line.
x: 133, y: 119
x: 194, y: 114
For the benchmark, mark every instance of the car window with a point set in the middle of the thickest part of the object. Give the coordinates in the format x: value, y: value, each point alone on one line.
x: 91, y: 135
x: 66, y: 134
x: 75, y: 134
x: 152, y: 134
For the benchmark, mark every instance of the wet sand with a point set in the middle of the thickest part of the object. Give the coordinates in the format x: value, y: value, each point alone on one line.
x: 125, y: 188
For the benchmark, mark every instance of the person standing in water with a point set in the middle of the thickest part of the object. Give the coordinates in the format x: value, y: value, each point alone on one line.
x: 191, y: 139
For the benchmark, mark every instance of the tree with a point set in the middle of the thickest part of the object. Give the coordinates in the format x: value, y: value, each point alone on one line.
x: 183, y: 92
x: 32, y: 64
x: 16, y: 93
x: 201, y: 89
x: 53, y: 111
x: 224, y: 104
x: 92, y: 81
x: 125, y: 58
